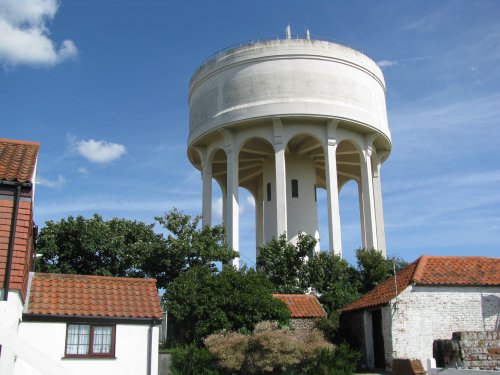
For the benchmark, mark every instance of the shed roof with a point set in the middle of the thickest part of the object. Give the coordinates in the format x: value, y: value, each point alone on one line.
x: 302, y: 306
x: 433, y: 270
x: 17, y: 160
x: 93, y: 296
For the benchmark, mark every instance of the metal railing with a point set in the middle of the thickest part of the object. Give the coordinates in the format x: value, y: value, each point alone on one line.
x: 263, y: 39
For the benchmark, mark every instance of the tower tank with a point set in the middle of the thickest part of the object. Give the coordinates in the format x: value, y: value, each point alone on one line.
x: 283, y: 118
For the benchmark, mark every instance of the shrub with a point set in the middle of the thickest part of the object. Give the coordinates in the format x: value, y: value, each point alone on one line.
x: 193, y: 360
x: 269, y: 349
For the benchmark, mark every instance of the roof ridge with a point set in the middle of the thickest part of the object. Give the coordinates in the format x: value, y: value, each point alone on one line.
x: 43, y: 275
x: 19, y: 142
x: 419, y: 270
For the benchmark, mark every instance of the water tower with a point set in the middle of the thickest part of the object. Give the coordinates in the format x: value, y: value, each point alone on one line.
x: 283, y: 118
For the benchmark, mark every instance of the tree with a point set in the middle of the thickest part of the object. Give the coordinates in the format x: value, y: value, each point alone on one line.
x: 120, y: 247
x: 334, y: 279
x: 373, y: 268
x: 204, y: 302
x: 282, y: 262
x: 189, y: 246
x: 93, y: 246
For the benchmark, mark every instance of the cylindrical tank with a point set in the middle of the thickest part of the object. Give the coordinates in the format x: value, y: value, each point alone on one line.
x: 282, y: 118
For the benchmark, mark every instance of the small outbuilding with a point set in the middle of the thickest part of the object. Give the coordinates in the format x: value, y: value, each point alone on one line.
x: 305, y: 309
x: 93, y: 324
x: 427, y: 301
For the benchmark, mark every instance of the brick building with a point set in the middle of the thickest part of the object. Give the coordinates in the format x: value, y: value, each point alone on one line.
x: 428, y: 300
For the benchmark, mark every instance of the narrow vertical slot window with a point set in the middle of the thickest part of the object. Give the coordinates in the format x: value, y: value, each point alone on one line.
x: 295, y: 188
x: 315, y: 193
x: 268, y: 191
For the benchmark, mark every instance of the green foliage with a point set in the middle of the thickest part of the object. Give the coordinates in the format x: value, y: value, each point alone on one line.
x: 188, y: 246
x: 117, y: 247
x: 374, y: 268
x: 342, y: 361
x: 204, y: 302
x: 193, y: 360
x: 282, y: 262
x: 120, y: 247
x: 329, y: 325
x: 268, y: 349
x: 334, y: 279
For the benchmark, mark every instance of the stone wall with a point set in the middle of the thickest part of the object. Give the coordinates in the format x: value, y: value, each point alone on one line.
x: 479, y: 349
x: 422, y: 314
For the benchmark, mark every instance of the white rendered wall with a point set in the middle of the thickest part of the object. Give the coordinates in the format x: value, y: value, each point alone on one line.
x: 10, y: 316
x: 423, y: 314
x: 302, y: 212
x: 130, y: 352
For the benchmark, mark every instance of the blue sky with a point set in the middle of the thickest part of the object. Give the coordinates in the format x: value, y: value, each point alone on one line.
x: 102, y: 85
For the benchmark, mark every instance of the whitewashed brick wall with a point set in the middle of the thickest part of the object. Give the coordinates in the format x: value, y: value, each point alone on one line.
x: 422, y: 314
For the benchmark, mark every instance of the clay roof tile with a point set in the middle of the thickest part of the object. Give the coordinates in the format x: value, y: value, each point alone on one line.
x: 432, y: 270
x: 93, y: 296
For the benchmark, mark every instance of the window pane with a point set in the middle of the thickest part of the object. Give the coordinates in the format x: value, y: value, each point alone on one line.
x: 78, y: 339
x: 102, y: 340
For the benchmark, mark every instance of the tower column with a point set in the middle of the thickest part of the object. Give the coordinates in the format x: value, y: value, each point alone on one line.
x: 332, y: 188
x: 207, y: 193
x: 361, y: 214
x: 379, y: 211
x: 259, y: 216
x: 368, y: 199
x: 280, y: 178
x: 232, y: 214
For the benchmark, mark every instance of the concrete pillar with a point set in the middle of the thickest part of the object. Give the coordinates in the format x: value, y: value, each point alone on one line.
x: 368, y: 199
x: 379, y: 210
x: 232, y: 209
x: 259, y: 216
x: 361, y: 215
x: 207, y: 193
x: 332, y: 189
x: 280, y: 178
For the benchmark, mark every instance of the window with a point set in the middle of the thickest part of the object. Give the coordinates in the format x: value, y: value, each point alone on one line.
x: 268, y: 191
x: 315, y: 193
x: 88, y: 340
x: 295, y: 188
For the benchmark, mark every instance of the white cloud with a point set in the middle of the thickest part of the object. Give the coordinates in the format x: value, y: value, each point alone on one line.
x: 387, y: 63
x: 83, y: 171
x: 24, y: 35
x: 251, y: 201
x: 53, y: 184
x: 101, y: 152
x: 217, y: 208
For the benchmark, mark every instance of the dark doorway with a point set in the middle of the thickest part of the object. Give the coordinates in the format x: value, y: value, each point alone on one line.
x: 378, y: 339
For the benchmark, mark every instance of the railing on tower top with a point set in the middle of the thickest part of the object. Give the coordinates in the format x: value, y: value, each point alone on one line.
x: 304, y: 36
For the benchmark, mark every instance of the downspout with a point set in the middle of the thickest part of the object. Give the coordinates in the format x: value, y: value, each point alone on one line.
x: 150, y: 347
x: 10, y: 249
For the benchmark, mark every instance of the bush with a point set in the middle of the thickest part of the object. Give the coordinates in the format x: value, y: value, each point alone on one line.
x: 192, y: 360
x: 269, y: 349
x: 341, y: 361
x: 329, y: 325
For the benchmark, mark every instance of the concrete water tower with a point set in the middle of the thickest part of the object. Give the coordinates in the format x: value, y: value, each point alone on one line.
x: 282, y: 118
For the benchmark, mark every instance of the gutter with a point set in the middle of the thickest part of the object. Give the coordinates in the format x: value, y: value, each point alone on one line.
x: 13, y: 223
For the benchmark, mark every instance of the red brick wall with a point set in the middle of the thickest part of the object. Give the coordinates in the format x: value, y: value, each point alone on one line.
x: 23, y: 244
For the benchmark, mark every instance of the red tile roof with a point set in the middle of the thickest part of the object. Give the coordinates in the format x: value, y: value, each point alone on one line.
x: 17, y: 164
x: 302, y: 305
x: 433, y: 270
x: 93, y: 296
x: 17, y: 160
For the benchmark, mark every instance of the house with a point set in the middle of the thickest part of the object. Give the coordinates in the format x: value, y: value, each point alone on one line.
x: 94, y: 324
x: 428, y: 300
x: 305, y: 309
x: 18, y: 161
x: 64, y: 324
